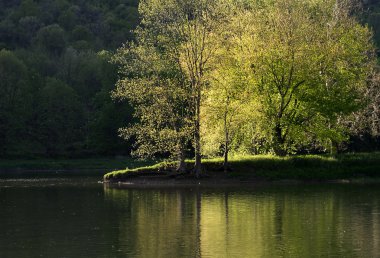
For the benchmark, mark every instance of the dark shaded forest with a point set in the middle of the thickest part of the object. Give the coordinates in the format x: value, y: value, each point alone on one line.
x: 56, y: 78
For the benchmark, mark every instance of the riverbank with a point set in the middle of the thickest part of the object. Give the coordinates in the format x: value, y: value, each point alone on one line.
x: 260, y: 168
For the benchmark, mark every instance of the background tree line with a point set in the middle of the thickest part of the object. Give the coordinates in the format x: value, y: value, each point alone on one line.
x: 55, y: 76
x: 56, y: 79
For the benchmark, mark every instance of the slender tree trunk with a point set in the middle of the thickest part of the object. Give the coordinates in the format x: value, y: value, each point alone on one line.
x: 197, y: 136
x: 334, y: 149
x: 333, y: 144
x: 279, y: 141
x: 225, y: 163
x: 226, y: 144
x: 181, y: 168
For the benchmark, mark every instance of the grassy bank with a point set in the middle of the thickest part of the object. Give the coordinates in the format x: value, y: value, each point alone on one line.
x: 305, y: 167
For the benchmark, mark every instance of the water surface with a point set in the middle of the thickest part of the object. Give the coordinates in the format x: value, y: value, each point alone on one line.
x: 81, y: 218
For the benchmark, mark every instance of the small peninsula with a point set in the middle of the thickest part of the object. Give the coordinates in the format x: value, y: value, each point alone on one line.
x: 259, y: 168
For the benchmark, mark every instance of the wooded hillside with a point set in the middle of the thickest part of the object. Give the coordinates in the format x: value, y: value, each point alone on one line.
x: 55, y: 76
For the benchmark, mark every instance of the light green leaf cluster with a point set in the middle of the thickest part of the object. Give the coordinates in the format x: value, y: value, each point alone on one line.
x: 304, y: 66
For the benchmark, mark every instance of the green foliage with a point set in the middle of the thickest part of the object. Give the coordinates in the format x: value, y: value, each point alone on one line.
x: 57, y: 43
x: 302, y: 76
x: 163, y: 73
x: 27, y: 8
x: 372, y: 17
x: 110, y: 116
x: 155, y: 86
x: 14, y: 99
x: 61, y: 116
x: 51, y: 38
x: 226, y: 103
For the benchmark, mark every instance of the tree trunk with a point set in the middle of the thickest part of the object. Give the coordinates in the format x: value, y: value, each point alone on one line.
x: 226, y: 145
x: 333, y: 144
x: 279, y: 148
x: 197, y: 136
x: 334, y: 147
x: 181, y: 168
x: 225, y: 163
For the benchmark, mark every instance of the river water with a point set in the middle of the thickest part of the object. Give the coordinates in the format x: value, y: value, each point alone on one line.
x: 81, y: 218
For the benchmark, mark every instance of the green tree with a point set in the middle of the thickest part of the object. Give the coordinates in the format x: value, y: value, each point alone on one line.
x: 69, y: 17
x: 108, y: 115
x: 28, y: 26
x: 363, y: 125
x: 154, y: 84
x: 52, y: 38
x: 306, y: 63
x: 60, y: 118
x: 225, y: 106
x: 13, y: 99
x: 186, y: 32
x: 26, y: 8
